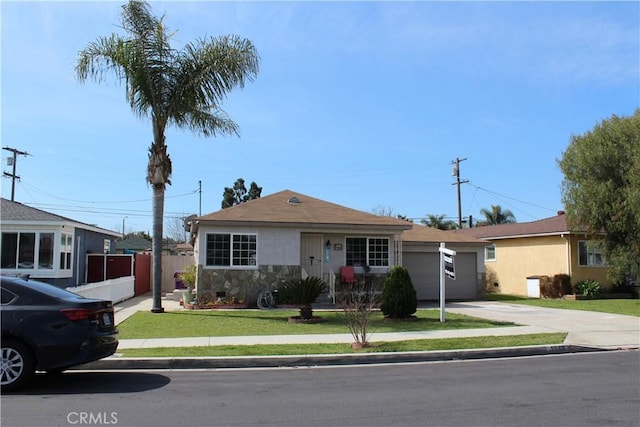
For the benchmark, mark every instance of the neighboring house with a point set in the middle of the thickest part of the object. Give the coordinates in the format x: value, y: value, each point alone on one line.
x: 245, y: 248
x: 421, y: 256
x: 133, y: 245
x: 184, y: 249
x: 544, y: 247
x: 48, y: 247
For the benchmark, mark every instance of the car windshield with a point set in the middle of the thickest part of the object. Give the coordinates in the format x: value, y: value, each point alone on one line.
x: 51, y: 290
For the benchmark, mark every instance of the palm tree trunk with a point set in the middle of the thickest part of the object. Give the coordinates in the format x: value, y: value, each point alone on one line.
x: 158, y: 213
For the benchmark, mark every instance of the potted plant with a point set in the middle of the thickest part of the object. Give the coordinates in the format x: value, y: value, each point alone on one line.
x: 302, y: 292
x: 189, y: 276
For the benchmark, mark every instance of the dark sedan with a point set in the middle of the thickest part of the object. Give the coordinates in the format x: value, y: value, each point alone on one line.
x: 45, y: 328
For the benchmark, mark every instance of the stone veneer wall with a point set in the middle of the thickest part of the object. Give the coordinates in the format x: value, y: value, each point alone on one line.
x: 245, y: 285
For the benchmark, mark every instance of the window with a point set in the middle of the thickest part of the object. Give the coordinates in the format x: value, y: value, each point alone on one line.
x: 9, y: 250
x: 378, y: 252
x: 66, y: 246
x: 367, y: 251
x: 45, y: 251
x: 590, y: 253
x: 490, y: 253
x: 28, y: 250
x: 231, y: 249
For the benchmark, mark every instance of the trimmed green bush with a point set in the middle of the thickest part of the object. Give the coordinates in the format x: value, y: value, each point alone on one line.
x: 588, y: 288
x: 399, y: 298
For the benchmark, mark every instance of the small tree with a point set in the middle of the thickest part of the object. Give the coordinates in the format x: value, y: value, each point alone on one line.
x: 399, y: 297
x: 358, y: 308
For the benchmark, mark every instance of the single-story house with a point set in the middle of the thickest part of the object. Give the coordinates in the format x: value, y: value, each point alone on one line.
x: 133, y: 245
x: 48, y: 247
x: 545, y: 247
x: 246, y: 248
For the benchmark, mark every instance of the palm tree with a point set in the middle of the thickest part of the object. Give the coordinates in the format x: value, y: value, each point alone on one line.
x: 437, y: 221
x: 183, y: 88
x: 497, y: 216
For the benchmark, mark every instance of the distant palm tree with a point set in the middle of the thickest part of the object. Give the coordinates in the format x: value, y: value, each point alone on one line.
x: 497, y: 216
x: 183, y: 88
x: 438, y: 221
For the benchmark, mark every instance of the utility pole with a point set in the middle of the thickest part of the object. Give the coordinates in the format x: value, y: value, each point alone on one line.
x: 12, y: 161
x: 456, y: 172
x: 200, y: 194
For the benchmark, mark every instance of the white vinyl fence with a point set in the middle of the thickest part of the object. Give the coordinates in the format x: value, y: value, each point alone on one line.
x: 115, y: 290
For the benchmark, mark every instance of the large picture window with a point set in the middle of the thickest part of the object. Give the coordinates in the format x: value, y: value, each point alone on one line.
x: 590, y: 253
x: 372, y: 251
x: 27, y: 250
x: 227, y: 250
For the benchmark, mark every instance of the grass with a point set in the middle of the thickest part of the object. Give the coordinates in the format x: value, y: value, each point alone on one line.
x: 204, y: 323
x: 628, y: 307
x: 302, y: 349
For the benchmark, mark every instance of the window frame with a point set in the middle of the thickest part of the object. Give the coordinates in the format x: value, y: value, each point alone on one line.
x: 589, y: 254
x: 487, y: 250
x: 370, y: 242
x: 29, y: 246
x: 241, y: 248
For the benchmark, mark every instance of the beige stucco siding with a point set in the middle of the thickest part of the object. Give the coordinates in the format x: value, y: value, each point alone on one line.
x: 517, y: 259
x: 579, y: 272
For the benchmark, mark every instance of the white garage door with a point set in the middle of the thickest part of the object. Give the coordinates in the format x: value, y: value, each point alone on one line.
x: 424, y: 269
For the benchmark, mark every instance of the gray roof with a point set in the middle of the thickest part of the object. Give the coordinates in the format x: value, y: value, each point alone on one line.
x: 17, y: 212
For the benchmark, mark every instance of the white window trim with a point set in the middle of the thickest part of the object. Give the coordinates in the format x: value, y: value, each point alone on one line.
x: 486, y: 253
x: 36, y: 271
x: 604, y: 260
x: 231, y: 266
x: 368, y: 255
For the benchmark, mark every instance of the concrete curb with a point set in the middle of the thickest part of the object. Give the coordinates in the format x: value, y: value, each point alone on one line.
x: 121, y: 363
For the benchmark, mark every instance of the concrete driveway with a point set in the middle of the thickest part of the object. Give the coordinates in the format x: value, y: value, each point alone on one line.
x: 586, y: 328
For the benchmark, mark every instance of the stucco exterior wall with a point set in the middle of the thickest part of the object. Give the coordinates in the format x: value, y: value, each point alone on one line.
x: 578, y: 272
x: 517, y: 259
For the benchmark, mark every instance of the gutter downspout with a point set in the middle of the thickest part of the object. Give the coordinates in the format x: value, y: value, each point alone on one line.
x: 568, y: 253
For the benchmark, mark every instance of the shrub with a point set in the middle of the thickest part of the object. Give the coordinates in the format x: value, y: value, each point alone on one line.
x: 556, y: 286
x: 399, y: 298
x: 562, y: 282
x: 548, y: 289
x: 588, y: 288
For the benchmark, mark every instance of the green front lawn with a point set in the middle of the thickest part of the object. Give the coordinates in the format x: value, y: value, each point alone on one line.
x: 628, y: 307
x: 435, y: 344
x: 210, y: 323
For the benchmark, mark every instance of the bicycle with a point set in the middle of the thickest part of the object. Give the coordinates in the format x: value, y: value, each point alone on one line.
x: 267, y: 299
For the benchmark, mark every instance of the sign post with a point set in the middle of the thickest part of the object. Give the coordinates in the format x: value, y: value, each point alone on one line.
x: 447, y: 269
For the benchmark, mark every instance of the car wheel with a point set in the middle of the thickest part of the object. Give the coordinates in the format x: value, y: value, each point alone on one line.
x: 17, y: 364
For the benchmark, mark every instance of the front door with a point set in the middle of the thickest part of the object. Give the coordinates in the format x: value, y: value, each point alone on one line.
x: 311, y: 255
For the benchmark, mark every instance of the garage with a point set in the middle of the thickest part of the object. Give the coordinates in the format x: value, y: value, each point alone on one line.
x: 424, y: 268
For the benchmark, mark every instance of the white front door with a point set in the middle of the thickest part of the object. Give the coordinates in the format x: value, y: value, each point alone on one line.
x: 311, y: 255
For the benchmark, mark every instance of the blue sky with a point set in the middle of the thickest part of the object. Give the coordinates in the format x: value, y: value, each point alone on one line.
x: 364, y: 104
